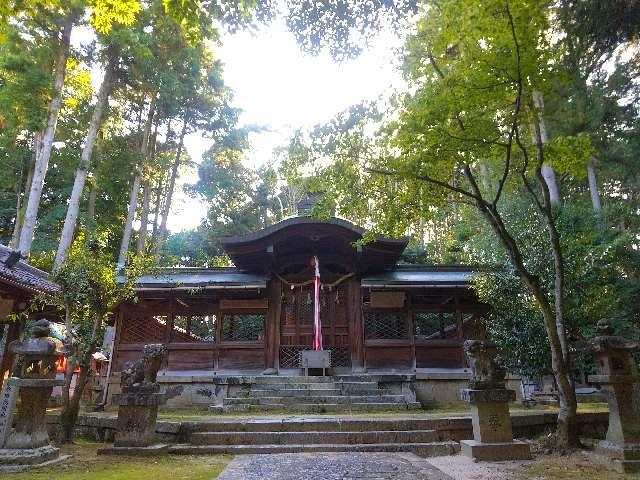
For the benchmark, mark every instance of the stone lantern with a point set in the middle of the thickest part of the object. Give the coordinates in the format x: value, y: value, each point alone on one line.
x: 618, y: 375
x: 24, y: 440
x: 489, y: 399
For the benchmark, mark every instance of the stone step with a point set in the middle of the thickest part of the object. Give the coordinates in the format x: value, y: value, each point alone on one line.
x: 316, y: 399
x: 316, y: 408
x: 319, y: 437
x: 302, y: 424
x: 317, y: 385
x: 305, y: 392
x: 294, y: 392
x: 431, y: 449
x: 297, y: 386
x: 292, y: 379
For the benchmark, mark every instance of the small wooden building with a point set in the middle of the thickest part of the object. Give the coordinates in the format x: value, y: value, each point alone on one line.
x: 377, y: 315
x: 19, y: 283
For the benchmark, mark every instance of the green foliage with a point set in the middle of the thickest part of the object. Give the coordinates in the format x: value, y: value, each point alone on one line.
x: 90, y: 287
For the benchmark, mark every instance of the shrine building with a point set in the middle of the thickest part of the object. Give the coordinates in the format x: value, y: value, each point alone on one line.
x: 379, y: 317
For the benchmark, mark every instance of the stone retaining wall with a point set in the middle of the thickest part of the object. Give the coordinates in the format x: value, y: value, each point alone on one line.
x: 444, y: 386
x: 186, y: 391
x: 102, y: 428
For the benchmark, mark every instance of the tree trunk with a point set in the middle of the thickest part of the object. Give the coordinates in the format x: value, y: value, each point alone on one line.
x: 70, y: 410
x: 144, y: 216
x: 20, y: 205
x: 567, y: 425
x: 162, y: 234
x: 593, y: 185
x: 547, y: 172
x: 66, y: 237
x: 567, y: 431
x: 135, y: 188
x: 146, y: 195
x: 42, y: 161
x: 91, y: 204
x: 157, y: 208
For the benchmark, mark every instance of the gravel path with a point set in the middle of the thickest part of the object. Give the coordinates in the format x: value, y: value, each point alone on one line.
x: 332, y: 466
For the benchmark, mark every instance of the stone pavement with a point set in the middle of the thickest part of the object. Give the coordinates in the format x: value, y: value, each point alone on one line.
x: 332, y: 466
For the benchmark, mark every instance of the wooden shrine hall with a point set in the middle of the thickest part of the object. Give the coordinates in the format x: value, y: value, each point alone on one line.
x: 377, y: 315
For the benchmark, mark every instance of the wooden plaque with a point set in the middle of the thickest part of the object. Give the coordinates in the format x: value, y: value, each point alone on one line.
x: 387, y: 299
x: 240, y: 304
x: 6, y: 308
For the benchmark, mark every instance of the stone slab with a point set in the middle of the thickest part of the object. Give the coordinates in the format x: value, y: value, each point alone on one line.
x: 135, y: 451
x: 28, y: 456
x: 495, y: 452
x: 22, y: 468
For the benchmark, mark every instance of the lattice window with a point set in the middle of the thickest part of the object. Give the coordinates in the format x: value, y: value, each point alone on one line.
x: 203, y: 327
x: 385, y: 325
x: 306, y: 308
x: 196, y: 328
x: 435, y: 325
x: 290, y: 356
x: 143, y: 329
x: 240, y: 327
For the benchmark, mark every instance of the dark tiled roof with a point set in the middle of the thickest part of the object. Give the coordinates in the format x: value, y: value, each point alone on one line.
x: 24, y: 276
x: 423, y: 275
x: 200, y: 278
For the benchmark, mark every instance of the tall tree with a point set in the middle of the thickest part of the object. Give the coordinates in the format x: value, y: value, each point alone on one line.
x: 44, y: 151
x: 66, y: 237
x: 474, y: 70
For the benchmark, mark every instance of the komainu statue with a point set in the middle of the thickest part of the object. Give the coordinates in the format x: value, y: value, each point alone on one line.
x: 144, y: 372
x: 486, y: 371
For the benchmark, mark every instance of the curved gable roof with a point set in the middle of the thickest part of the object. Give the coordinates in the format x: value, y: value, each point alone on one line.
x: 294, y: 240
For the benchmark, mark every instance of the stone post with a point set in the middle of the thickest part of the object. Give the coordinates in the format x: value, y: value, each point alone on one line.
x: 618, y: 375
x: 489, y: 399
x: 138, y: 405
x: 24, y: 440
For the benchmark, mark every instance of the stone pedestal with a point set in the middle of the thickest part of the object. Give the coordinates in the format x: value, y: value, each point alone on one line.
x: 617, y: 374
x: 138, y: 406
x: 489, y: 400
x: 137, y: 414
x: 492, y: 435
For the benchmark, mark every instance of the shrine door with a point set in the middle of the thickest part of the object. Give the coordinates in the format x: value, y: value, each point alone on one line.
x: 296, y: 324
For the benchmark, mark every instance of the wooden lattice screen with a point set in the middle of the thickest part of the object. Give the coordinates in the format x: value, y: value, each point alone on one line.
x: 143, y: 329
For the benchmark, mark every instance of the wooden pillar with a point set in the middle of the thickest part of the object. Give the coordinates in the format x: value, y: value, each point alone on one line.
x: 356, y: 325
x: 272, y: 347
x: 411, y: 328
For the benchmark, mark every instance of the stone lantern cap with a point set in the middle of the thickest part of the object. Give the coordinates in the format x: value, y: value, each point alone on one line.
x: 38, y: 353
x: 614, y: 356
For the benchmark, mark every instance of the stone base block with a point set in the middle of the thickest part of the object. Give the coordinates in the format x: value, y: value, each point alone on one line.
x: 624, y: 458
x: 629, y: 451
x: 16, y: 460
x: 626, y: 466
x: 151, y: 450
x: 495, y: 452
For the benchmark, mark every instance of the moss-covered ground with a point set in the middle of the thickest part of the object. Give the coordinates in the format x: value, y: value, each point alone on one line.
x: 87, y: 465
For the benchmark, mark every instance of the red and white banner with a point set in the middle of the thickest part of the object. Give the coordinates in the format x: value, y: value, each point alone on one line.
x: 317, y: 324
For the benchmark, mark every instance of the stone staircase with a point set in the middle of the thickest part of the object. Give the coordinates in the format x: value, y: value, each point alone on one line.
x: 315, y: 395
x: 294, y: 435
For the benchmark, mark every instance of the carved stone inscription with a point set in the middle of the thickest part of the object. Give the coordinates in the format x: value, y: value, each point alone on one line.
x: 8, y: 399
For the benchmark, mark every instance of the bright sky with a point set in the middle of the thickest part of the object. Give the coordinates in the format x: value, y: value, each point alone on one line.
x: 279, y: 87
